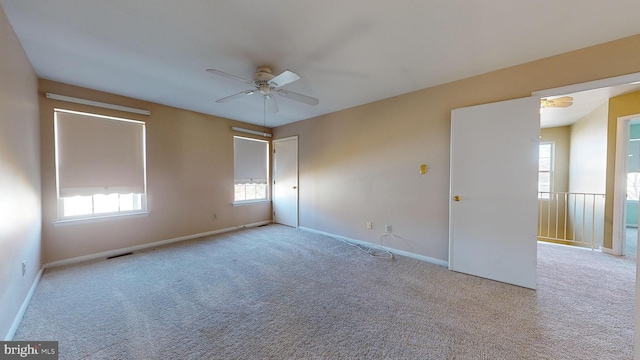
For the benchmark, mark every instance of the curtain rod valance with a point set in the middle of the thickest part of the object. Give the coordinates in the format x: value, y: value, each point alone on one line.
x: 97, y: 104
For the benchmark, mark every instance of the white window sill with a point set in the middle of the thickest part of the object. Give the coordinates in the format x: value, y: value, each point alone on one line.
x: 251, y: 202
x: 92, y: 219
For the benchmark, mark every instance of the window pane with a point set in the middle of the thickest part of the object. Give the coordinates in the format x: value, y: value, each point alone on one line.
x: 239, y: 193
x: 251, y: 191
x: 129, y: 202
x: 105, y: 203
x: 545, y: 150
x: 77, y: 205
x: 261, y: 191
x: 544, y: 181
x: 545, y: 164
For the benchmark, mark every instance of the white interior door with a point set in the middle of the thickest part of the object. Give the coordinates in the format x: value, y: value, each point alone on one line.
x: 285, y: 181
x: 493, y: 206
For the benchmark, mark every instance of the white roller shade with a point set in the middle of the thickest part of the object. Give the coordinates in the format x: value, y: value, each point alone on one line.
x: 99, y: 155
x: 250, y: 160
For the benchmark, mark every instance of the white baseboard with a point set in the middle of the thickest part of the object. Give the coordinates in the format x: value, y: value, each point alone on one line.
x: 600, y: 248
x: 23, y: 308
x: 609, y: 251
x: 27, y: 300
x: 391, y: 250
x: 124, y: 250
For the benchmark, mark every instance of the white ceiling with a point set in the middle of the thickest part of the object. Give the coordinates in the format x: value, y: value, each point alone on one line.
x: 347, y: 52
x: 584, y: 102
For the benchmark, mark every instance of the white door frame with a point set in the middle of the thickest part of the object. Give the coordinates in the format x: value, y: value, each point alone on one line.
x: 620, y: 185
x: 297, y: 201
x: 618, y: 211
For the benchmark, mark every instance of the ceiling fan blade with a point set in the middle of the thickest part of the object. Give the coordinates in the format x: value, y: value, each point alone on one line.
x: 564, y: 101
x: 270, y: 103
x: 235, y: 96
x: 284, y: 78
x: 298, y: 97
x: 237, y: 78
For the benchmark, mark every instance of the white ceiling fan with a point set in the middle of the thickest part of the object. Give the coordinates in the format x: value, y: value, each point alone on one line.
x: 267, y: 84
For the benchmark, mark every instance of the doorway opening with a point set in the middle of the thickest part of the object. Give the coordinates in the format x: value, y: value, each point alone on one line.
x: 572, y: 201
x: 627, y: 189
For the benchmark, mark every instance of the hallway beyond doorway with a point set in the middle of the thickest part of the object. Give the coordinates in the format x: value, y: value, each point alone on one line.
x: 631, y: 242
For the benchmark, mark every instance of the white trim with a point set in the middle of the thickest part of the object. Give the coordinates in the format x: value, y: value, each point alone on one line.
x: 620, y: 185
x: 100, y: 116
x: 294, y: 137
x: 594, y: 85
x: 250, y: 202
x: 76, y: 100
x: 591, y: 85
x: 119, y: 251
x: 274, y: 165
x: 599, y: 249
x: 23, y: 308
x: 254, y: 132
x: 91, y: 219
x: 391, y: 250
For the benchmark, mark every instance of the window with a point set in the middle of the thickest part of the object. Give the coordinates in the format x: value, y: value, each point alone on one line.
x: 251, y: 168
x: 100, y: 165
x: 545, y: 170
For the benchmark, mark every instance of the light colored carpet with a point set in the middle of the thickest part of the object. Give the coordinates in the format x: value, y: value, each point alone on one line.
x: 631, y: 242
x: 278, y: 293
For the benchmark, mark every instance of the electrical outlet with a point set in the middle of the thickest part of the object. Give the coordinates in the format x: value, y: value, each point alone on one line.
x: 369, y: 225
x: 387, y: 228
x: 24, y: 267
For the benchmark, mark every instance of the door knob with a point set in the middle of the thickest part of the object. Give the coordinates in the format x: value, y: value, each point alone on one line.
x: 456, y: 198
x: 295, y: 187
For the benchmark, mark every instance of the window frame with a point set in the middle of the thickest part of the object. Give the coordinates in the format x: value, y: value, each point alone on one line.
x: 60, y: 200
x: 267, y: 197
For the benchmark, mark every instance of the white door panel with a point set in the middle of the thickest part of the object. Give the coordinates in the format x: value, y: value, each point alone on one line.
x: 494, y: 165
x: 285, y: 181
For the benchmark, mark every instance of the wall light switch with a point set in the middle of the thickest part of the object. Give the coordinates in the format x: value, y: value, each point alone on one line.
x: 423, y: 169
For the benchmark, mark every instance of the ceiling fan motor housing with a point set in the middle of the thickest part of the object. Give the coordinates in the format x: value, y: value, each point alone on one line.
x: 263, y: 73
x: 266, y: 83
x: 261, y: 79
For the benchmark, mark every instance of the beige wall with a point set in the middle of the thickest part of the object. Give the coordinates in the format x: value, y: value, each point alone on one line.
x: 561, y: 137
x: 589, y: 152
x: 19, y: 176
x: 189, y: 177
x: 361, y: 164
